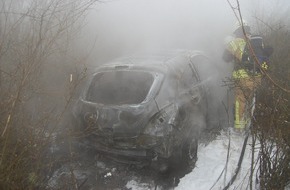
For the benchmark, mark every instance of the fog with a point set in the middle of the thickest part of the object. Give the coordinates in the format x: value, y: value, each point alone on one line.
x: 129, y: 26
x: 121, y: 27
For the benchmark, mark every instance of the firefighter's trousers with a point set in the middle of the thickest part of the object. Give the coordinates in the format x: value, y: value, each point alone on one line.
x: 245, y: 86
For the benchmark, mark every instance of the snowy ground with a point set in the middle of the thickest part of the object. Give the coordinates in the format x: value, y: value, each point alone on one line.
x: 211, y: 171
x: 93, y: 171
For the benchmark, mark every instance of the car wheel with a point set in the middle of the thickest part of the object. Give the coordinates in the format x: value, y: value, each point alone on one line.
x: 189, y: 153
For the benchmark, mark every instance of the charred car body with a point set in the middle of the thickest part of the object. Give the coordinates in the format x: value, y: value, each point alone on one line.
x: 151, y: 108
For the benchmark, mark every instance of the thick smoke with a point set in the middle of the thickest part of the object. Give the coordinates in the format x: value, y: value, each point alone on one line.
x: 129, y: 26
x: 117, y: 28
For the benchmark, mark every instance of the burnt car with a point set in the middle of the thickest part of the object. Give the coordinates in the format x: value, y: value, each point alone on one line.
x: 151, y: 108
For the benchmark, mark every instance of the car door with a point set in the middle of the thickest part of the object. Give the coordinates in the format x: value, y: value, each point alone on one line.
x: 190, y: 88
x: 212, y: 87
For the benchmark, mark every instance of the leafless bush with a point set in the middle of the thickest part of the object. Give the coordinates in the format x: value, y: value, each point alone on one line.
x: 272, y: 119
x: 35, y: 87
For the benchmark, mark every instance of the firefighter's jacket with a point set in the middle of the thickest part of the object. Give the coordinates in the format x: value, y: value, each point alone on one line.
x: 237, y: 50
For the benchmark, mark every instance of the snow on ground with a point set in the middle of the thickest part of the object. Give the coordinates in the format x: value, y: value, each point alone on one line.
x: 211, y: 171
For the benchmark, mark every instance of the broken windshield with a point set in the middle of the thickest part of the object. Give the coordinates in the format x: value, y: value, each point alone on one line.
x: 120, y: 87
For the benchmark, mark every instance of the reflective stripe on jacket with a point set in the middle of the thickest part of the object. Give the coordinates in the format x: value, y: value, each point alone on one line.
x: 236, y: 47
x: 243, y: 73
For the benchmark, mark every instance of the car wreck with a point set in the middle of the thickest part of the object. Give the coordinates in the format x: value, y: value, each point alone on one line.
x: 150, y: 108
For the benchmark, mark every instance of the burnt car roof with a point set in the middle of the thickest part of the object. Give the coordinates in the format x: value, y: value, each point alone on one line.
x: 161, y: 61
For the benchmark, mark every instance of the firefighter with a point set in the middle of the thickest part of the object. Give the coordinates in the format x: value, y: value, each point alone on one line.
x: 246, y: 73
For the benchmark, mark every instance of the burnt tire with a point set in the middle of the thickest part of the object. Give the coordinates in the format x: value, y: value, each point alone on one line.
x: 185, y: 156
x: 189, y: 153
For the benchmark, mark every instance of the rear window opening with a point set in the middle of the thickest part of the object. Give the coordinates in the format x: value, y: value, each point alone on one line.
x: 120, y: 87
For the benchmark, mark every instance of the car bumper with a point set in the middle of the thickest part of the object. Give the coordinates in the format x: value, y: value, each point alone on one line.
x: 131, y: 148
